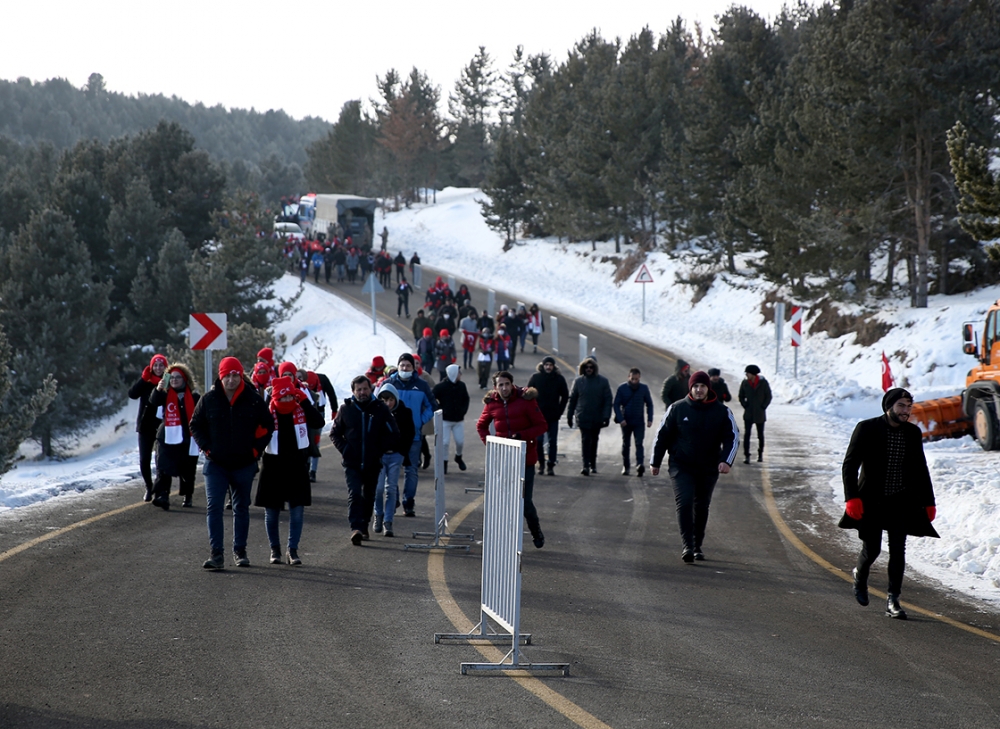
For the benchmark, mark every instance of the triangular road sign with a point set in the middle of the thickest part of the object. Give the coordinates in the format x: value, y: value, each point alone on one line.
x: 644, y: 275
x: 370, y: 284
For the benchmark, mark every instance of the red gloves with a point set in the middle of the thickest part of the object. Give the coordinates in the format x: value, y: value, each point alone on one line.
x: 931, y: 513
x: 299, y: 395
x: 855, y: 509
x: 147, y: 374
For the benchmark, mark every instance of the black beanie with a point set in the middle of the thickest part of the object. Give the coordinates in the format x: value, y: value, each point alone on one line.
x: 546, y: 360
x: 408, y: 357
x: 892, y: 396
x: 752, y: 369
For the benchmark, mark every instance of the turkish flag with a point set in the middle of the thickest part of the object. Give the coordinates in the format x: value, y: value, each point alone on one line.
x: 887, y: 379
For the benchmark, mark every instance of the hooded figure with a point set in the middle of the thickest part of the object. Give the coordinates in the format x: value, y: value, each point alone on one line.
x: 453, y: 397
x: 675, y: 387
x: 590, y: 402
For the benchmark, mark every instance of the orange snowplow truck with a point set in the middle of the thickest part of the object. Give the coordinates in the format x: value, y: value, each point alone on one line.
x: 975, y: 411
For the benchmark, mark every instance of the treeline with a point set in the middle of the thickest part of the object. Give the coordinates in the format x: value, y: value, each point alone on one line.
x: 105, y: 249
x: 816, y: 142
x: 259, y: 151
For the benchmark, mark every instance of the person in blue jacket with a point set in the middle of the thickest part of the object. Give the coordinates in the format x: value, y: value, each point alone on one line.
x: 416, y: 394
x: 631, y: 399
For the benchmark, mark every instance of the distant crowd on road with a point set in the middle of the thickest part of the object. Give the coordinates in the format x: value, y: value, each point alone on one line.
x: 270, y: 422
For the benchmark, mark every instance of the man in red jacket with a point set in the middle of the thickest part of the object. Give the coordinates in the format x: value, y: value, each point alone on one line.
x: 515, y: 414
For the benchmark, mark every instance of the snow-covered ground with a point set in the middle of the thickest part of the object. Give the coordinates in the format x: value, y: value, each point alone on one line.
x: 838, y: 383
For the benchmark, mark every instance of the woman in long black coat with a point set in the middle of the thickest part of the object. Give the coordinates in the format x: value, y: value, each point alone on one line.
x: 173, y: 402
x: 284, y: 473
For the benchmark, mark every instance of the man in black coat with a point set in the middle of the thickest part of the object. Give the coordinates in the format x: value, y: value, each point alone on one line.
x: 894, y: 492
x: 590, y: 402
x: 231, y: 425
x: 363, y: 431
x: 719, y: 386
x: 755, y: 396
x: 553, y: 394
x: 702, y: 437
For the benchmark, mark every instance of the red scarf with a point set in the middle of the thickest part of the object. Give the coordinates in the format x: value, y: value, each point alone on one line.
x: 298, y: 420
x: 173, y: 427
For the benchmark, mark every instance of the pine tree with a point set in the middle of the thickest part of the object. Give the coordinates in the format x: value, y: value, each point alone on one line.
x: 342, y: 160
x: 54, y: 311
x: 236, y: 273
x: 471, y: 108
x: 134, y: 235
x: 17, y: 416
x: 979, y: 186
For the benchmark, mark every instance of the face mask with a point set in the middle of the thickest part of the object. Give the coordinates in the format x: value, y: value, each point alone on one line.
x: 447, y: 316
x: 405, y: 375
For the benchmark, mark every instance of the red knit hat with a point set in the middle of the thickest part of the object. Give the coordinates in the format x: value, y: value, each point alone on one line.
x: 378, y: 362
x: 266, y: 354
x: 428, y: 332
x: 699, y: 377
x: 156, y: 357
x: 228, y: 365
x: 444, y: 333
x: 287, y: 369
x: 281, y: 386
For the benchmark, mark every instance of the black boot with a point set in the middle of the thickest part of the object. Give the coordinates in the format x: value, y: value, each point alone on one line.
x: 860, y: 589
x: 312, y: 477
x: 460, y: 463
x: 537, y: 538
x: 551, y: 469
x: 446, y: 466
x: 892, y: 608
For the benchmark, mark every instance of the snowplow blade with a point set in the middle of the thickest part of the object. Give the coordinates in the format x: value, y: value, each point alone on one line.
x: 941, y: 418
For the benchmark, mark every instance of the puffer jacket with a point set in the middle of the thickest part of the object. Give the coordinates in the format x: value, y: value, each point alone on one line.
x: 590, y: 400
x: 518, y: 417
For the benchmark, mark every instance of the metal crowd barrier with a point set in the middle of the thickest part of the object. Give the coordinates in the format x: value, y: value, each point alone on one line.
x: 440, y: 515
x: 503, y: 541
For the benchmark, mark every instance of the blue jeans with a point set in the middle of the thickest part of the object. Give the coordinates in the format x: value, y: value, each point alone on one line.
x: 295, y: 517
x: 218, y: 480
x: 387, y: 490
x: 412, y: 474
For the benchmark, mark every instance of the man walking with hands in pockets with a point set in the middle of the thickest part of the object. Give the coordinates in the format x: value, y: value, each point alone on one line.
x: 702, y: 438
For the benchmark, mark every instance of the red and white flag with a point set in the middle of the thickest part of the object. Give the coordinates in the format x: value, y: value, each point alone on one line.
x: 888, y: 382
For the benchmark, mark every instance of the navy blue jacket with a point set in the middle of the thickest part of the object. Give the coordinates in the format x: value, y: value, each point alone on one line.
x: 628, y: 405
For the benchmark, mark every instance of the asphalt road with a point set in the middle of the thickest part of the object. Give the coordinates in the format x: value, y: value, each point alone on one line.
x: 113, y: 623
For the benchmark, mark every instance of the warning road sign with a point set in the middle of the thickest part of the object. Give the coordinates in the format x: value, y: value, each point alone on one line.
x: 796, y: 326
x: 207, y: 331
x: 644, y: 276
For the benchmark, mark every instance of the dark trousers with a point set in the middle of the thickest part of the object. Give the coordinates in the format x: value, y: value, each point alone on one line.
x: 484, y: 373
x: 552, y: 438
x: 161, y: 486
x: 468, y: 358
x: 361, y: 487
x: 146, y: 443
x: 530, y: 513
x: 639, y: 433
x: 692, y: 496
x: 871, y: 547
x: 403, y: 304
x: 588, y: 440
x: 746, y: 438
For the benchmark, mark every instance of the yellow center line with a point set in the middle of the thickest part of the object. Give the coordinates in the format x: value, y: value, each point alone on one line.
x: 787, y: 533
x: 462, y: 624
x: 64, y: 530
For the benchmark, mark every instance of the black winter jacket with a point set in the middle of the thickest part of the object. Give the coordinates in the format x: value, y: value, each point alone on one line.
x: 146, y: 421
x: 590, y: 399
x: 363, y: 432
x: 284, y: 476
x: 698, y: 435
x: 453, y: 397
x: 232, y: 435
x: 868, y: 452
x: 553, y: 392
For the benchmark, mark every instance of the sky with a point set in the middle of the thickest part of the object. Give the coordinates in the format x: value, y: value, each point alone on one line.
x: 307, y: 58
